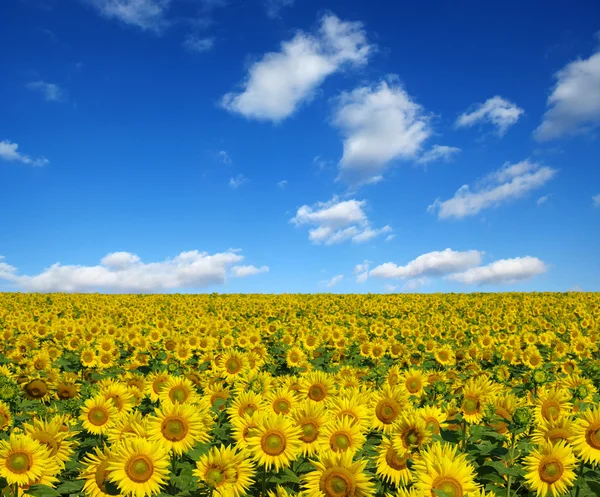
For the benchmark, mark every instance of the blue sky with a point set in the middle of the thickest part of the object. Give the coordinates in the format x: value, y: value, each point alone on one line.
x: 299, y: 146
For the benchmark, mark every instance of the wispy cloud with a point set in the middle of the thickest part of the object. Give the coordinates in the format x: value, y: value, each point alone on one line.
x: 149, y: 15
x: 508, y: 183
x: 238, y: 181
x: 333, y: 281
x: 196, y: 44
x: 243, y: 271
x: 9, y: 152
x: 50, y: 91
x: 439, y: 152
x: 542, y: 200
x: 273, y: 7
x: 596, y: 200
x: 498, y: 111
x: 224, y: 157
x: 281, y: 81
x: 282, y: 184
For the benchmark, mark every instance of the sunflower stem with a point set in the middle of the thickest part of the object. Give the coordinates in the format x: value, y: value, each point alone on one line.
x: 264, y: 482
x: 511, y: 456
x: 579, y: 474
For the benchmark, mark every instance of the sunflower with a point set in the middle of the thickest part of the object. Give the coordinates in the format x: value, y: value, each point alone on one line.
x: 178, y: 390
x: 441, y: 468
x: 95, y: 472
x: 476, y: 393
x: 585, y: 439
x: 178, y: 427
x: 336, y: 475
x: 341, y: 435
x: 231, y: 364
x: 245, y: 403
x: 139, y: 467
x: 50, y: 434
x: 127, y: 424
x: 411, y: 433
x: 226, y: 470
x: 38, y: 389
x: 25, y: 461
x: 434, y: 418
x: 243, y: 428
x: 5, y: 417
x: 504, y: 407
x: 353, y: 404
x: 97, y: 414
x: 414, y: 381
x: 155, y: 383
x: 549, y: 469
x: 389, y: 403
x: 119, y: 394
x: 391, y: 464
x: 276, y: 441
x: 553, y: 431
x: 310, y: 417
x: 317, y: 386
x: 281, y: 401
x: 551, y: 403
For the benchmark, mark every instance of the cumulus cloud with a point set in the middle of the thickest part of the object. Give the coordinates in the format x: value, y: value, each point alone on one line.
x: 574, y: 104
x: 379, y: 124
x: 198, y: 45
x: 50, y: 91
x: 502, y: 271
x: 362, y: 271
x: 9, y: 152
x: 496, y: 110
x: 438, y: 263
x: 125, y: 272
x: 243, y: 271
x: 596, y: 200
x: 238, y: 181
x: 439, y: 152
x: 508, y: 183
x: 337, y: 221
x: 148, y: 15
x: 281, y: 81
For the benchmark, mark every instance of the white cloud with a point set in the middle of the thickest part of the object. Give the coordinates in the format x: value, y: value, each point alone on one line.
x: 243, y: 271
x: 282, y: 184
x: 362, y: 271
x: 334, y: 281
x: 415, y: 284
x: 145, y: 14
x: 281, y: 81
x: 496, y: 110
x: 439, y: 152
x: 508, y: 183
x: 502, y: 271
x: 224, y: 157
x: 389, y: 238
x: 436, y: 263
x: 337, y: 221
x: 389, y: 288
x: 51, y: 92
x: 574, y: 105
x: 9, y: 152
x: 542, y: 200
x: 596, y: 200
x: 379, y: 124
x: 238, y: 181
x: 274, y: 6
x: 124, y: 272
x: 195, y: 44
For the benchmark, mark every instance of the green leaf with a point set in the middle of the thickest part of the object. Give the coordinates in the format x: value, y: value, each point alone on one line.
x: 42, y: 491
x: 286, y: 476
x: 111, y: 488
x: 198, y: 451
x: 70, y: 487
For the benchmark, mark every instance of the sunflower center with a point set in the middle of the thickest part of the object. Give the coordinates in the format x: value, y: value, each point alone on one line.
x: 18, y: 463
x: 215, y: 477
x: 157, y: 385
x: 551, y: 410
x: 101, y: 474
x: 98, y: 416
x: 550, y: 471
x: 413, y: 385
x: 470, y: 405
x: 557, y: 434
x: 281, y: 406
x: 432, y: 425
x: 37, y: 389
x: 394, y: 460
x: 340, y: 442
x: 233, y: 365
x: 249, y: 409
x: 48, y: 440
x: 3, y: 420
x: 447, y: 485
x: 387, y: 411
x: 592, y: 436
x: 178, y: 394
x: 337, y: 483
x: 316, y: 392
x: 310, y: 432
x: 412, y: 438
x: 140, y: 469
x: 273, y: 443
x: 349, y: 414
x: 174, y: 429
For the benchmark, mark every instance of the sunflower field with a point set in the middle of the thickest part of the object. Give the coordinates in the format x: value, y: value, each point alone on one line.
x: 300, y: 395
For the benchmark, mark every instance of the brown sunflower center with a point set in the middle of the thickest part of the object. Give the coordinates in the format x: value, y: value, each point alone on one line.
x: 48, y: 440
x: 248, y: 409
x: 550, y: 470
x: 556, y: 434
x: 158, y: 384
x: 413, y: 385
x: 592, y: 435
x: 447, y: 485
x: 233, y: 366
x: 98, y: 416
x: 394, y: 460
x: 3, y: 420
x: 337, y: 482
x: 387, y: 410
x: 178, y: 394
x: 174, y: 429
x: 36, y: 389
x: 215, y: 477
x: 340, y: 442
x: 550, y: 410
x: 18, y: 462
x: 273, y: 443
x: 317, y: 392
x: 281, y: 406
x: 412, y: 438
x: 139, y: 469
x: 66, y: 391
x: 310, y: 432
x: 432, y: 425
x: 471, y: 405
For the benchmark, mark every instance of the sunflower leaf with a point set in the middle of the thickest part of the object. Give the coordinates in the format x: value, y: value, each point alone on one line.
x: 70, y: 487
x: 42, y: 491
